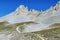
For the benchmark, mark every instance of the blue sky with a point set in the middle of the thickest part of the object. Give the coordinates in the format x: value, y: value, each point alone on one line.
x: 8, y: 6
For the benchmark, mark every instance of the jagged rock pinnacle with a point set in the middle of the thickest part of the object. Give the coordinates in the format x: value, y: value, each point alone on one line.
x: 22, y: 10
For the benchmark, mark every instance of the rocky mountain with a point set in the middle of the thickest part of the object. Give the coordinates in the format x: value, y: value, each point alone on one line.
x: 22, y: 21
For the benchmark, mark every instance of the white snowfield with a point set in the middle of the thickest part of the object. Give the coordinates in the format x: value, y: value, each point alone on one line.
x: 43, y: 19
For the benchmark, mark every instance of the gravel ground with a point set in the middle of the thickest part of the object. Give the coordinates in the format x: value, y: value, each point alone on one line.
x: 49, y: 34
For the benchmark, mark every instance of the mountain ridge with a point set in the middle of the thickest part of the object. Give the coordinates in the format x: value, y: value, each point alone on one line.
x: 43, y: 18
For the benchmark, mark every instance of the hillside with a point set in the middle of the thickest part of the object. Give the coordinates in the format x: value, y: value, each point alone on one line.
x: 31, y: 25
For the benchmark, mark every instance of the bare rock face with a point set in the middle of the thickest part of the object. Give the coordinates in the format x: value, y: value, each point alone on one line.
x: 31, y: 25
